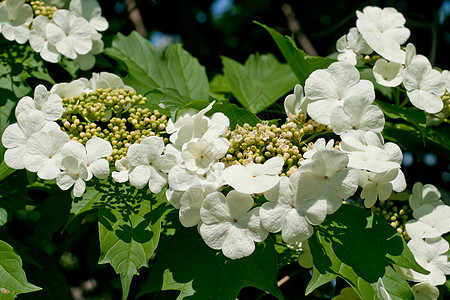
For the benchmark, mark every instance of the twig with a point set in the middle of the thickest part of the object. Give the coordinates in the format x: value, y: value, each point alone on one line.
x: 136, y: 17
x: 294, y: 26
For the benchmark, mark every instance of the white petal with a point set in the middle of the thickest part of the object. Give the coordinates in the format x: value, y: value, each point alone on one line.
x: 100, y: 168
x: 140, y: 176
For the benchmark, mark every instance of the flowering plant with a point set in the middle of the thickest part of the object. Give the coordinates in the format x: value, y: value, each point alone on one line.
x: 164, y: 163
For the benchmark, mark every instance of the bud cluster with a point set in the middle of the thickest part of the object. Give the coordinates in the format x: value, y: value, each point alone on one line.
x: 40, y: 9
x: 256, y: 144
x: 111, y: 115
x: 397, y: 216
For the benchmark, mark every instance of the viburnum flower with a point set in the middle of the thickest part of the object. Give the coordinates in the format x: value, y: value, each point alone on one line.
x: 388, y: 73
x: 150, y: 164
x: 380, y: 185
x: 92, y: 156
x: 424, y: 85
x: 15, y: 16
x: 429, y: 221
x: 74, y: 173
x: 326, y: 176
x: 254, y: 178
x: 228, y: 225
x: 198, y: 155
x: 44, y: 153
x: 351, y: 46
x: 123, y: 168
x: 106, y: 80
x: 431, y: 254
x: 384, y: 31
x: 192, y: 125
x: 367, y: 151
x: 318, y: 145
x: 39, y: 41
x: 327, y: 89
x: 47, y: 102
x: 424, y: 194
x: 295, y: 103
x: 70, y: 34
x: 87, y: 61
x: 16, y: 135
x: 357, y: 115
x: 425, y: 291
x: 290, y: 212
x: 70, y: 89
x: 180, y: 179
x: 91, y: 11
x: 191, y: 202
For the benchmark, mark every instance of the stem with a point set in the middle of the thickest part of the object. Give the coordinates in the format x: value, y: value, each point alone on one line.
x: 397, y: 97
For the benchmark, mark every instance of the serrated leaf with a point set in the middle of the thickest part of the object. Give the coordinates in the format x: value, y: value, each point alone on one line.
x: 358, y: 246
x: 199, y: 272
x: 129, y: 229
x: 149, y: 68
x: 218, y: 87
x: 318, y: 279
x: 301, y: 64
x: 237, y: 115
x: 167, y: 100
x: 260, y: 82
x: 397, y: 287
x: 12, y: 277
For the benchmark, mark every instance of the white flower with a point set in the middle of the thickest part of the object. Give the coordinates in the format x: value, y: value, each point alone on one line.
x: 91, y: 11
x: 424, y: 194
x: 382, y: 294
x: 319, y: 144
x: 367, y: 151
x: 290, y: 212
x: 16, y: 135
x: 74, y: 174
x: 15, y: 16
x: 199, y: 155
x: 357, y: 115
x: 123, y: 167
x: 384, y: 31
x: 191, y: 202
x: 380, y: 185
x: 106, y: 80
x: 327, y: 89
x: 425, y: 291
x: 92, y: 156
x: 47, y: 102
x: 70, y: 89
x: 351, y: 46
x: 192, y: 125
x: 325, y: 176
x: 254, y: 178
x: 174, y: 197
x: 429, y: 221
x: 150, y: 165
x: 431, y: 254
x: 39, y: 41
x: 70, y: 34
x: 180, y: 179
x: 388, y: 73
x: 229, y: 225
x: 424, y: 85
x: 87, y: 61
x: 44, y: 153
x: 295, y: 103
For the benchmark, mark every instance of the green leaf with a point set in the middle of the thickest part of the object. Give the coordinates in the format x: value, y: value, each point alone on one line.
x: 358, y: 246
x: 187, y: 264
x: 6, y: 117
x: 129, y: 228
x: 149, y: 68
x: 3, y: 216
x: 411, y: 114
x: 218, y: 87
x: 237, y: 115
x: 367, y: 73
x: 301, y: 64
x: 318, y: 279
x: 171, y: 100
x: 5, y: 171
x: 397, y: 287
x: 260, y: 82
x: 12, y: 276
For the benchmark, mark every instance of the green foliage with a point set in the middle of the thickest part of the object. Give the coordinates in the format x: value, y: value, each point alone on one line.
x: 236, y: 114
x: 3, y: 216
x: 149, y: 68
x: 411, y: 114
x: 12, y: 277
x: 359, y: 246
x: 187, y: 264
x: 301, y: 64
x: 5, y: 171
x: 218, y: 87
x: 260, y: 82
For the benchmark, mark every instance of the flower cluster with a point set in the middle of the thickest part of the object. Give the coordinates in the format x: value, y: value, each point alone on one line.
x: 73, y: 33
x: 383, y: 31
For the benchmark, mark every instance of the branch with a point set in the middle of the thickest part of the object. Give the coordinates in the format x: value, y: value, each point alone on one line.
x: 136, y: 17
